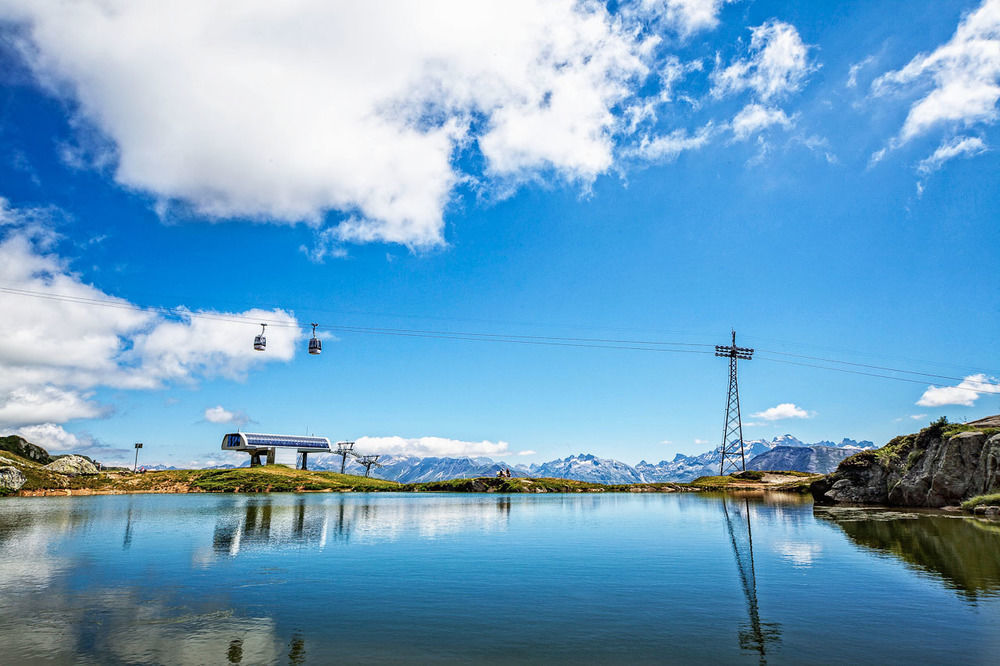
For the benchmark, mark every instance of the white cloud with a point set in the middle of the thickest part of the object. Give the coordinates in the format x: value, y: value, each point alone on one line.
x: 965, y: 393
x: 220, y: 414
x: 963, y: 76
x: 918, y: 417
x: 786, y: 410
x: 667, y: 147
x: 967, y: 146
x: 287, y: 111
x: 778, y: 63
x: 852, y: 74
x: 63, y: 338
x: 686, y: 16
x: 430, y: 446
x: 527, y: 452
x: 51, y: 437
x: 755, y: 117
x: 700, y: 441
x: 32, y: 405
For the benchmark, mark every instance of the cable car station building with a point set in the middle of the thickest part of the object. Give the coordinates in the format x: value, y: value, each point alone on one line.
x: 257, y: 445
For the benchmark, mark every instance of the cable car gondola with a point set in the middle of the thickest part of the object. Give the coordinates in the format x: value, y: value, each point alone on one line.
x: 260, y: 342
x: 315, y: 346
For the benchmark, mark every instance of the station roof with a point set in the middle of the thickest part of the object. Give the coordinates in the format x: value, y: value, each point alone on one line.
x: 285, y: 441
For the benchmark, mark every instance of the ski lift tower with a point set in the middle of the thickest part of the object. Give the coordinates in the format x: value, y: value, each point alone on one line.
x: 368, y: 462
x: 732, y: 434
x: 344, y: 449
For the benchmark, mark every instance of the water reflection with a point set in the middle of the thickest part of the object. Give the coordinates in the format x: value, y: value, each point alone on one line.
x: 268, y: 522
x: 963, y: 552
x: 756, y: 635
x: 453, y: 579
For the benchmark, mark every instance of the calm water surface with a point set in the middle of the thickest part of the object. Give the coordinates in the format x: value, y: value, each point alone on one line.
x: 400, y: 578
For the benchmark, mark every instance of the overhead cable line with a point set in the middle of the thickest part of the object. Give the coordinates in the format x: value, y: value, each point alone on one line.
x: 555, y: 341
x: 872, y: 374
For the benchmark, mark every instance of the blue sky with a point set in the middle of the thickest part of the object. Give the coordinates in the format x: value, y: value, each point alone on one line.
x: 820, y: 178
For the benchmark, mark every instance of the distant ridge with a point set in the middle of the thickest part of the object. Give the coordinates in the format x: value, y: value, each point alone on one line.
x: 788, y: 453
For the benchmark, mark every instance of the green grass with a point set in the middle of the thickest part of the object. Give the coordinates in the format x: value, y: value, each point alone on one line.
x: 749, y: 475
x: 981, y: 500
x: 279, y: 479
x: 958, y: 428
x: 712, y: 482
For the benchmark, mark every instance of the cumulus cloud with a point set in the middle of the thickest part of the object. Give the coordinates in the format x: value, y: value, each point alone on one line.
x: 27, y: 405
x: 965, y: 393
x: 52, y: 437
x: 527, y: 452
x: 56, y: 439
x: 755, y: 117
x: 220, y: 414
x: 431, y: 447
x: 961, y: 146
x: 286, y: 112
x: 63, y: 338
x: 777, y: 64
x: 963, y: 76
x: 786, y: 410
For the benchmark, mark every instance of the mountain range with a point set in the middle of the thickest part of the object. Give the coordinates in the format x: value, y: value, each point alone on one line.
x: 785, y: 453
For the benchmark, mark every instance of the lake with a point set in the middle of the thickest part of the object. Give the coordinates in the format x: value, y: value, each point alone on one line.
x: 457, y: 578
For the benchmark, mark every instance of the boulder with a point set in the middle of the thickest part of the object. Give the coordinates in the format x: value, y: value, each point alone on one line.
x: 11, y: 478
x: 72, y: 466
x: 926, y: 469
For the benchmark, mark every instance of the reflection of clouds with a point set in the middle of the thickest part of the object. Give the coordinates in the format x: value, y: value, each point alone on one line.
x: 61, y: 628
x: 799, y: 553
x: 26, y: 561
x: 277, y: 522
x: 27, y: 531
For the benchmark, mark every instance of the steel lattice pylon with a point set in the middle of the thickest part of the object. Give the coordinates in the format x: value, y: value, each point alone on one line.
x: 732, y: 434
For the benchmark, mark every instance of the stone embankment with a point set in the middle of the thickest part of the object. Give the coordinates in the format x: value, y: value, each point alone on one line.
x: 942, y: 465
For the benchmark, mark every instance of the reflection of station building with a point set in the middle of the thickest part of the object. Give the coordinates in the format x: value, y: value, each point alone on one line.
x: 282, y: 522
x: 257, y: 445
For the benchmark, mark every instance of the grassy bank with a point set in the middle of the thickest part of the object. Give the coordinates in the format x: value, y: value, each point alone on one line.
x: 781, y: 481
x: 973, y: 503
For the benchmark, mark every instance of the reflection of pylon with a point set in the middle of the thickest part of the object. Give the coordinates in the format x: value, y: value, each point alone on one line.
x: 732, y: 434
x: 759, y: 633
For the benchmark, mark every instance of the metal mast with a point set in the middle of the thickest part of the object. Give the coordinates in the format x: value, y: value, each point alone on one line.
x: 368, y: 462
x: 344, y: 449
x: 732, y: 434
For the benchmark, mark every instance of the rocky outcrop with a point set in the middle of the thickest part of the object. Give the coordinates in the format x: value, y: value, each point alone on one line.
x: 11, y: 479
x: 72, y: 466
x: 941, y: 465
x: 22, y: 447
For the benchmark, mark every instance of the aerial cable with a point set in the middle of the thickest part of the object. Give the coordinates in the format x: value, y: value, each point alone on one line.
x: 872, y: 374
x: 555, y: 341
